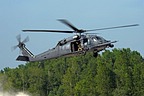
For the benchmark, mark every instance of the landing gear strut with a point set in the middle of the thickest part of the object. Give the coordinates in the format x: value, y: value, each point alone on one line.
x: 95, y: 53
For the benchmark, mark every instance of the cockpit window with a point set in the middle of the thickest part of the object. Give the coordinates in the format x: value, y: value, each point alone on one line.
x: 98, y: 38
x: 94, y: 39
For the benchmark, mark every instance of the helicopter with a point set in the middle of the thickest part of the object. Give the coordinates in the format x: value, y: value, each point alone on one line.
x: 78, y: 44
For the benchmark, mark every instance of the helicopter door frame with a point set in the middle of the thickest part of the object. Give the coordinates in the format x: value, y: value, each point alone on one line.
x: 76, y: 46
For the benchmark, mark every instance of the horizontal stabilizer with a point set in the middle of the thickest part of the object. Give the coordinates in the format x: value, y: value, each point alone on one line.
x: 22, y: 58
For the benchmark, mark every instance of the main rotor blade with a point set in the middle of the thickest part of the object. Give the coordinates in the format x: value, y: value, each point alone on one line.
x: 25, y: 40
x: 60, y: 31
x: 113, y: 27
x: 18, y: 38
x: 68, y: 24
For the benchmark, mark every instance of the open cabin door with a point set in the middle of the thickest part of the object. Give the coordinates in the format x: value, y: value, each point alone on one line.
x: 76, y: 46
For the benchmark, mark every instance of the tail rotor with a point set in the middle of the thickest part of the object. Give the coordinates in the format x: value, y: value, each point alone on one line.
x: 21, y: 44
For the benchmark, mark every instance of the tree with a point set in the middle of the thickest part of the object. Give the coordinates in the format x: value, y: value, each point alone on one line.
x: 104, y: 77
x: 86, y: 86
x: 71, y: 77
x: 123, y: 69
x: 113, y: 73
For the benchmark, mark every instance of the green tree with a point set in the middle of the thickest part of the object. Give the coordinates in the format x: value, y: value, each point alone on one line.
x: 71, y: 77
x: 138, y: 74
x: 104, y: 77
x: 123, y: 70
x: 86, y: 86
x: 113, y: 73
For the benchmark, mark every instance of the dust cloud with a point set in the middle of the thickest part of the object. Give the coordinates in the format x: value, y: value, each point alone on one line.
x: 22, y: 94
x: 13, y: 94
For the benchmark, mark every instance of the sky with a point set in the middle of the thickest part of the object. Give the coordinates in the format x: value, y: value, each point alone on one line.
x: 16, y: 15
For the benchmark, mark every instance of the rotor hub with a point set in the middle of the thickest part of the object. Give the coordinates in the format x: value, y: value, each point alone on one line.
x: 21, y: 45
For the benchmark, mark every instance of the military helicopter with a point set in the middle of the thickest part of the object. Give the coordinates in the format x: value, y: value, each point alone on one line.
x: 78, y: 44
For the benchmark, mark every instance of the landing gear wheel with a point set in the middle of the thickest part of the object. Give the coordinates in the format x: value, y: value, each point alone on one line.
x: 111, y: 45
x: 84, y: 53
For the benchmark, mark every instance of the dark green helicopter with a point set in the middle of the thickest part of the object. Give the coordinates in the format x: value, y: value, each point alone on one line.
x: 71, y: 46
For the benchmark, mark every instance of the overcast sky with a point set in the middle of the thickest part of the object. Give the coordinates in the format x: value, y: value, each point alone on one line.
x: 16, y: 15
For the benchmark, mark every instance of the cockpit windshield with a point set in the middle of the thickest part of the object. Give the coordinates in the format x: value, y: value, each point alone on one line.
x: 98, y: 39
x: 95, y: 38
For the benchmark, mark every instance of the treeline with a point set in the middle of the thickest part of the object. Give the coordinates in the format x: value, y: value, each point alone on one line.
x: 119, y: 72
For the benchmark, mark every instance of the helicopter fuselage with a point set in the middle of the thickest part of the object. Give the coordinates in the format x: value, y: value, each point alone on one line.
x: 71, y: 46
x: 75, y: 45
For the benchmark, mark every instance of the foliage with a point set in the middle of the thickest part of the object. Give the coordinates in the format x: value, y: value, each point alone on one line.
x: 113, y: 73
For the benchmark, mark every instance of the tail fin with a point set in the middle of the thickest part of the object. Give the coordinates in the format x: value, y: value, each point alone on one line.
x: 26, y: 54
